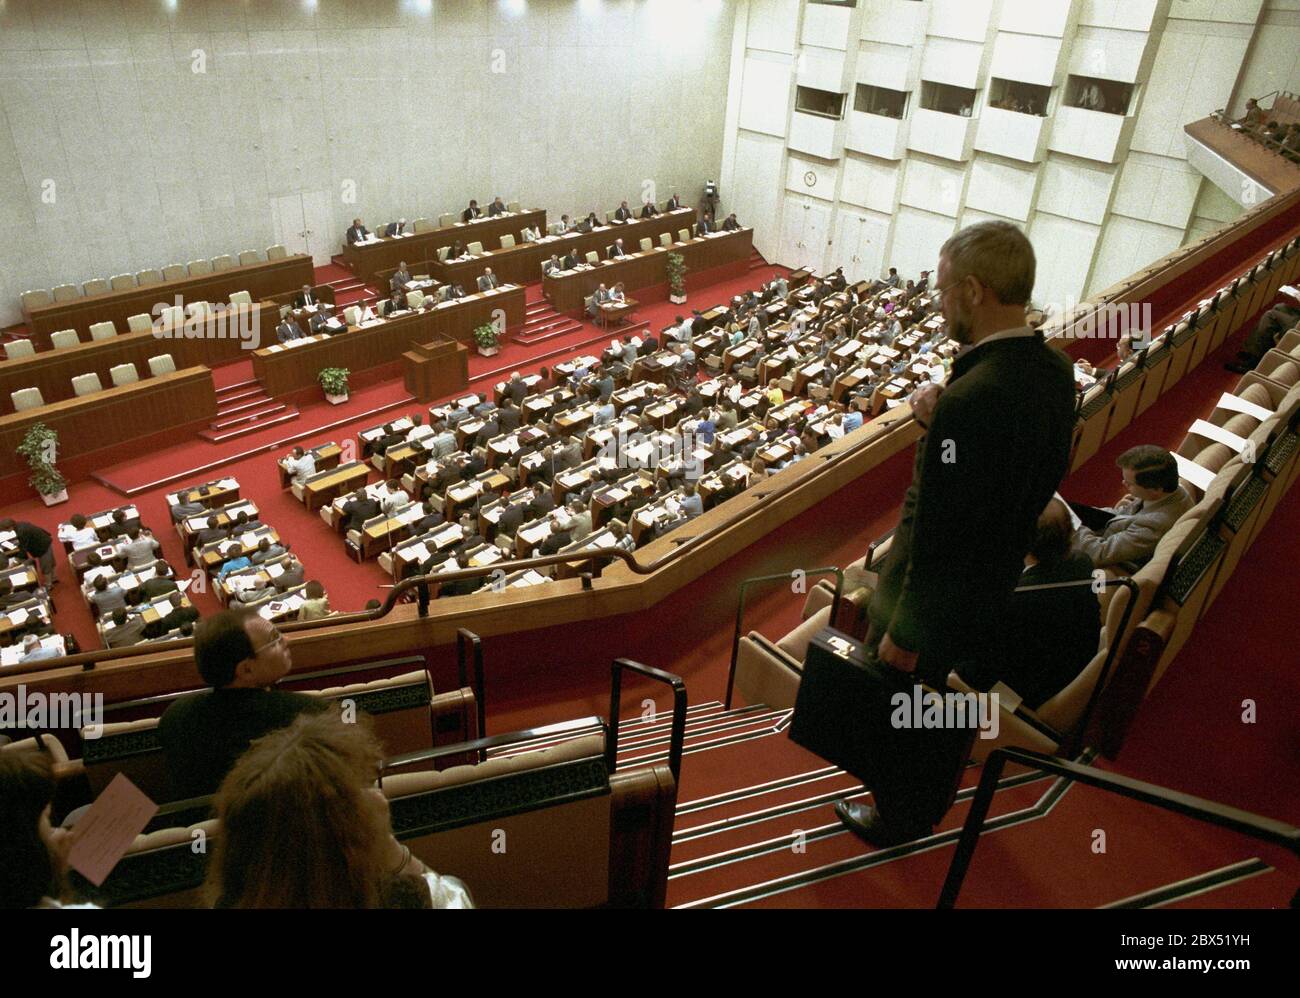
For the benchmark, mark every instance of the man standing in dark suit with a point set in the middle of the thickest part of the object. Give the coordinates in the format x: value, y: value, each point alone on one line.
x: 997, y: 444
x: 357, y: 232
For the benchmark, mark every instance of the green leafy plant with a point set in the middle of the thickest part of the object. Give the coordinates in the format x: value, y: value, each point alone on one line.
x: 676, y: 275
x: 334, y: 380
x: 486, y: 336
x: 40, y: 446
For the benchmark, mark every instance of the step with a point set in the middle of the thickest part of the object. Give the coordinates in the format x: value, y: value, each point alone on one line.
x: 247, y: 407
x: 241, y: 397
x: 218, y: 436
x: 267, y: 407
x: 549, y: 334
x: 546, y: 325
x: 239, y: 385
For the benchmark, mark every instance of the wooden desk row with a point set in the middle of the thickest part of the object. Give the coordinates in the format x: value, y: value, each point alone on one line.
x: 261, y: 280
x: 296, y: 367
x: 52, y: 371
x: 523, y: 264
x: 114, y: 415
x: 368, y: 259
x: 567, y: 291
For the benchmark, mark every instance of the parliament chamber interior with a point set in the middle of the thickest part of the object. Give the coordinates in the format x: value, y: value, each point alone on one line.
x: 579, y: 424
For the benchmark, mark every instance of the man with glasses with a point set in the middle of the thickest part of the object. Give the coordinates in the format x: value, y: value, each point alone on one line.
x: 241, y: 656
x: 996, y: 448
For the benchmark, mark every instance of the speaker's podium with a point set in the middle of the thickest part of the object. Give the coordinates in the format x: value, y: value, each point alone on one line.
x: 436, y: 370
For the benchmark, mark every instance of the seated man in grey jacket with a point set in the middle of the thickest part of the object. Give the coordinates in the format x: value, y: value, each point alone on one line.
x: 1126, y: 535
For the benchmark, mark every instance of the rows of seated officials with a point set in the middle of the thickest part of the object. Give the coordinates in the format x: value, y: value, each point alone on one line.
x: 618, y: 450
x: 301, y: 821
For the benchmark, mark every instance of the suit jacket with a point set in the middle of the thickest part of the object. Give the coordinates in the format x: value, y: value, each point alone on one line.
x: 358, y: 511
x: 649, y: 211
x: 495, y: 209
x: 393, y: 229
x: 730, y: 225
x: 512, y: 519
x: 398, y: 281
x: 571, y: 261
x: 704, y: 226
x: 623, y: 214
x: 486, y: 283
x: 301, y: 300
x: 540, y: 505
x: 554, y: 541
x: 288, y: 330
x: 616, y: 251
x: 1048, y: 637
x: 674, y: 203
x: 356, y: 233
x: 997, y: 448
x: 1130, y: 538
x: 508, y: 419
x: 469, y: 214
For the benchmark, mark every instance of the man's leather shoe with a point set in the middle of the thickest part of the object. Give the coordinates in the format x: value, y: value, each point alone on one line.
x: 865, y: 822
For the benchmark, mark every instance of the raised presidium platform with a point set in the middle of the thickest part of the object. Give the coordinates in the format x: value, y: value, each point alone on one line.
x: 368, y: 259
x: 523, y: 263
x: 261, y: 280
x: 132, y: 412
x: 722, y: 252
x: 286, y: 368
x: 213, y: 343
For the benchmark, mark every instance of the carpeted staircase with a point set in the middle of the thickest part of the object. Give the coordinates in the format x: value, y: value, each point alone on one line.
x: 244, y: 408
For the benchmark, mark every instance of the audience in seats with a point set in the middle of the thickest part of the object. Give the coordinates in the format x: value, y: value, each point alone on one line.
x: 241, y: 656
x: 1270, y: 328
x: 317, y: 604
x: 36, y: 544
x: 1125, y: 535
x: 303, y: 826
x: 1048, y: 636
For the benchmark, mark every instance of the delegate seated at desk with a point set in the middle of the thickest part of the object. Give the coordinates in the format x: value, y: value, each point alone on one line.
x: 624, y: 213
x: 395, y: 228
x: 562, y: 226
x: 649, y: 211
x: 553, y: 265
x: 288, y: 330
x: 572, y: 261
x: 488, y: 281
x: 471, y: 213
x: 357, y: 232
x: 457, y: 251
x: 617, y: 250
x: 400, y: 279
x: 497, y: 207
x: 321, y: 321
x: 731, y: 225
x: 674, y: 203
x: 598, y: 298
x: 306, y: 298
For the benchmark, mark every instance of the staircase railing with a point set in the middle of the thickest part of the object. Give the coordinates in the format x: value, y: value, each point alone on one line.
x: 1221, y: 815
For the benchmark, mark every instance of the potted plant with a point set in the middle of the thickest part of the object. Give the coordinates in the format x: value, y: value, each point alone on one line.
x: 676, y: 278
x: 334, y: 380
x: 40, y: 446
x: 488, y: 339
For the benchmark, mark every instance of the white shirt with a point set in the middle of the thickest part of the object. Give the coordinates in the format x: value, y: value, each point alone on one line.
x: 84, y: 538
x: 300, y: 468
x: 447, y: 892
x: 394, y: 501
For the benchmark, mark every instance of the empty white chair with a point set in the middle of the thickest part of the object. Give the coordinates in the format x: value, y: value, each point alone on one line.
x: 423, y: 225
x: 67, y: 292
x: 27, y: 398
x: 96, y: 287
x: 512, y: 206
x: 646, y: 245
x: 414, y: 299
x: 64, y: 338
x: 174, y: 272
x: 162, y: 364
x: 352, y: 314
x: 241, y: 298
x: 173, y: 317
x: 121, y: 282
x: 592, y: 257
x: 224, y: 262
x: 123, y: 374
x: 197, y: 267
x: 665, y: 239
x: 35, y: 299
x: 475, y: 248
x: 149, y: 277
x: 86, y: 384
x: 102, y: 331
x: 683, y: 235
x: 507, y: 241
x: 276, y: 252
x: 609, y: 216
x: 19, y: 348
x: 442, y: 253
x: 139, y: 323
x: 249, y: 256
x: 446, y: 220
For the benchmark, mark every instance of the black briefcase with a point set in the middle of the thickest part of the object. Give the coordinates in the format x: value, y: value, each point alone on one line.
x: 849, y: 711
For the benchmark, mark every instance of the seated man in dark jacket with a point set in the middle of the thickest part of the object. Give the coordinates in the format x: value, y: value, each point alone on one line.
x: 359, y: 509
x: 1048, y: 636
x: 242, y: 656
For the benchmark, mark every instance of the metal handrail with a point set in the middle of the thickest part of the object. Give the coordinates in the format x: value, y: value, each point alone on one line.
x: 740, y: 611
x: 466, y: 640
x: 479, y: 746
x: 678, y: 737
x: 1266, y: 829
